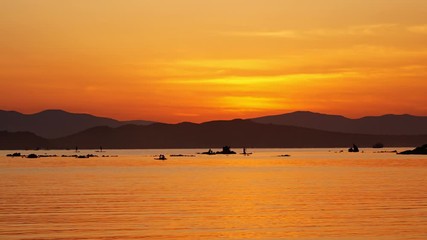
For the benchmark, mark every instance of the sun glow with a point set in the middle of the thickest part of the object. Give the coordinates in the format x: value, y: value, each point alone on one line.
x: 178, y: 61
x: 248, y: 104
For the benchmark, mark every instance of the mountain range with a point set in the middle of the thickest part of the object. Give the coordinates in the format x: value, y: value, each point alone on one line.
x: 56, y: 123
x: 235, y: 133
x: 384, y: 125
x: 87, y: 131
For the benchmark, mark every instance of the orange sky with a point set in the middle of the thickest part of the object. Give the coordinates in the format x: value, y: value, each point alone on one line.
x: 192, y: 60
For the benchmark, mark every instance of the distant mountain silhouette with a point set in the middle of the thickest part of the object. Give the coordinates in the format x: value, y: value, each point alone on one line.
x: 55, y: 123
x: 235, y: 133
x: 21, y: 140
x: 384, y: 125
x: 60, y: 129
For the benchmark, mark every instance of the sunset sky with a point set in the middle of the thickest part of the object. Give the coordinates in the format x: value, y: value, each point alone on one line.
x: 195, y: 60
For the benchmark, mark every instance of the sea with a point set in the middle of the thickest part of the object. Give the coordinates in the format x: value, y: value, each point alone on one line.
x: 127, y: 194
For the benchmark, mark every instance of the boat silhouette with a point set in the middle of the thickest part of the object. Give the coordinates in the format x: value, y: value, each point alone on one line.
x: 161, y: 157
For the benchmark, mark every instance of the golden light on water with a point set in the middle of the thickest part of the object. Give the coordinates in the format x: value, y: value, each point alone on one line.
x: 314, y: 194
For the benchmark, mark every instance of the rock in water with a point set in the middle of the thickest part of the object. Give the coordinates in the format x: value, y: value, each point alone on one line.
x: 417, y: 151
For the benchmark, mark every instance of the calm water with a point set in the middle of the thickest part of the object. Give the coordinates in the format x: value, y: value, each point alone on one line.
x: 314, y: 194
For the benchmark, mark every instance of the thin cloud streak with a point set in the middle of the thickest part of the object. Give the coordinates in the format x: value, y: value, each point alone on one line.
x: 422, y: 29
x: 250, y: 80
x: 359, y: 30
x: 273, y: 34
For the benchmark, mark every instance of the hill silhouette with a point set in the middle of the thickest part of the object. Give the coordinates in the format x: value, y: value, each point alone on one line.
x: 55, y: 123
x: 21, y: 140
x: 216, y: 134
x: 58, y: 123
x: 383, y: 125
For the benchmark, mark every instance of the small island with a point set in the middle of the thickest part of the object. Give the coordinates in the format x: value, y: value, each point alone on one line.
x: 378, y: 145
x: 417, y: 151
x: 226, y: 150
x: 353, y: 149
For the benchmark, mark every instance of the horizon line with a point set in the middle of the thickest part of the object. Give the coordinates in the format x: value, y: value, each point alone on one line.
x: 199, y: 122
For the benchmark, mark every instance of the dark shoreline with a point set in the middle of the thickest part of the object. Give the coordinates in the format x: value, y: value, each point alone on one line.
x: 236, y: 133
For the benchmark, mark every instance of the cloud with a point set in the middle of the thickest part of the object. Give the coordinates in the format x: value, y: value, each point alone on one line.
x: 272, y: 34
x: 418, y: 29
x: 228, y: 63
x: 358, y: 30
x: 249, y: 103
x: 257, y: 80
